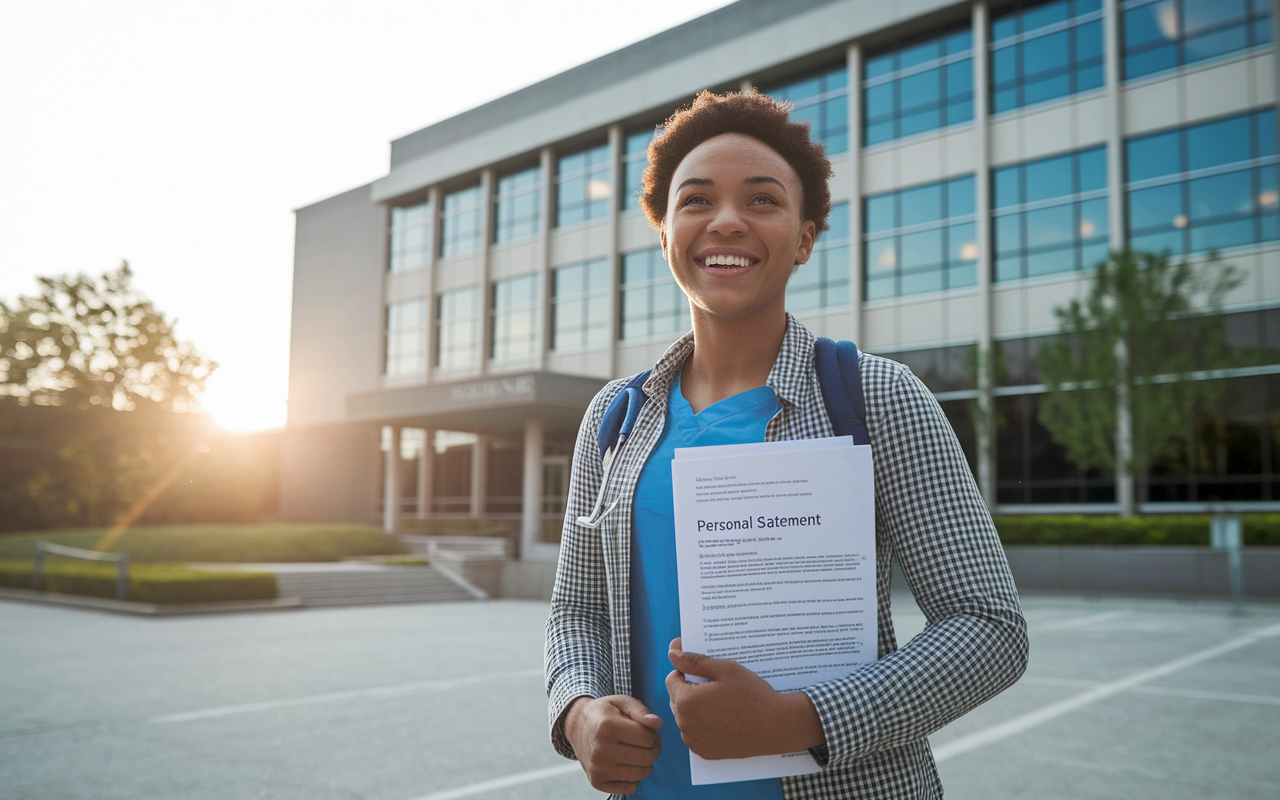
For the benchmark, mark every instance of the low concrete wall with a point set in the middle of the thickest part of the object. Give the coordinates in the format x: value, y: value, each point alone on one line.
x: 1153, y: 571
x: 1181, y: 571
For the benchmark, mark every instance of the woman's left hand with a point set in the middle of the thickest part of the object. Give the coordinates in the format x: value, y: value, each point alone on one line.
x: 736, y: 713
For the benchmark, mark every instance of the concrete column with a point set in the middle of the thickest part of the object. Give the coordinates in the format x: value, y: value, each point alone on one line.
x: 531, y: 505
x: 433, y: 197
x: 986, y: 311
x: 547, y: 213
x: 486, y: 291
x: 391, y: 483
x: 479, y: 474
x: 617, y: 143
x: 1116, y: 219
x: 426, y: 474
x: 856, y: 250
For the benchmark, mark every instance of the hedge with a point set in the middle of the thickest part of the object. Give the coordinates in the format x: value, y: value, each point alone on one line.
x: 147, y: 584
x: 1260, y: 530
x: 235, y: 543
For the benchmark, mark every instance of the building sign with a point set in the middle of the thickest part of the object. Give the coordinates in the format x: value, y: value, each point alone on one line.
x: 489, y: 391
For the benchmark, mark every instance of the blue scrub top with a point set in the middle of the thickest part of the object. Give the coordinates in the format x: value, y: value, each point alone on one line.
x: 655, y: 608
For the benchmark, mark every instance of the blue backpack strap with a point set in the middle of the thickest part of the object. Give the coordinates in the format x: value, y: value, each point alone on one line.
x: 837, y: 366
x: 622, y: 413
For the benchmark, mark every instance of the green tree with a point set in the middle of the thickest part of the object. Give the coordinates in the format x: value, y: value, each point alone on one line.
x: 1121, y: 380
x: 84, y: 341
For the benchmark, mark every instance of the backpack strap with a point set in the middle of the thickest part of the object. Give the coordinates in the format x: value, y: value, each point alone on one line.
x: 621, y: 415
x: 841, y: 383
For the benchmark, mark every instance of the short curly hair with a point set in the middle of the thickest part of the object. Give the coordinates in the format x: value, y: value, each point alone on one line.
x: 756, y: 115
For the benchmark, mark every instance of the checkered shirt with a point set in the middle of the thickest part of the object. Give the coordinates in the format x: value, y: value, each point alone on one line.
x: 929, y: 516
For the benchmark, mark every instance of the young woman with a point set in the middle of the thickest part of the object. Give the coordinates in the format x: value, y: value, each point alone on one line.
x: 738, y: 193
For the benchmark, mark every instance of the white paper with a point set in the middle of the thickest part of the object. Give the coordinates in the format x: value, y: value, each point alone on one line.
x: 775, y: 556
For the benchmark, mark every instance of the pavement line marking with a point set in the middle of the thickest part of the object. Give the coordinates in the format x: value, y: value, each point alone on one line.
x: 502, y: 783
x: 1076, y: 622
x: 1164, y: 691
x: 352, y: 694
x: 1032, y: 719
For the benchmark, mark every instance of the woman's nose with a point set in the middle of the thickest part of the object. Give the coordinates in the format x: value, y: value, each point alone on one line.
x: 727, y: 221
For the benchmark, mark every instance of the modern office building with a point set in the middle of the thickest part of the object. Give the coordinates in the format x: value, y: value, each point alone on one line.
x: 452, y: 319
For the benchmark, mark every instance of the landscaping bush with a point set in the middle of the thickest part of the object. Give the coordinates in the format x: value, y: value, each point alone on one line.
x: 226, y: 543
x: 147, y: 584
x: 1260, y: 530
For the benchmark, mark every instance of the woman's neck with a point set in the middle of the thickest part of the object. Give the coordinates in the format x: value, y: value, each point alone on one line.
x: 730, y: 356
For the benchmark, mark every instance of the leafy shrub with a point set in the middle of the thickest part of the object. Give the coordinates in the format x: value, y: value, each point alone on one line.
x: 147, y: 584
x: 1260, y: 530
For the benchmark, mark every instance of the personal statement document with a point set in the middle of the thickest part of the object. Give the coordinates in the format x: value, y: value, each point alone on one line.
x: 775, y: 558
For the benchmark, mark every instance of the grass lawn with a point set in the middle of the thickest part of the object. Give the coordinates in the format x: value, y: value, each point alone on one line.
x: 287, y: 542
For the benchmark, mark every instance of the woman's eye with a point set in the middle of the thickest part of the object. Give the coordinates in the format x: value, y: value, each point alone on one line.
x: 697, y: 199
x: 761, y: 199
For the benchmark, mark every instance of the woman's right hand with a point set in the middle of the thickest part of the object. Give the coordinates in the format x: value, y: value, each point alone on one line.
x: 616, y: 740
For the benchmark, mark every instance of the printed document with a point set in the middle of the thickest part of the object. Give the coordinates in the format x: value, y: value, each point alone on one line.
x: 775, y: 557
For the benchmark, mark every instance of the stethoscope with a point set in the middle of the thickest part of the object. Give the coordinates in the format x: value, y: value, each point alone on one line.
x: 628, y: 403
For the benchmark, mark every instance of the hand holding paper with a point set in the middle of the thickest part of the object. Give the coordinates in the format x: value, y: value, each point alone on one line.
x: 736, y: 713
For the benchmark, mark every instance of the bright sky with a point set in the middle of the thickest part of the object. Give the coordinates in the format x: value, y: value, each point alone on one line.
x: 180, y: 136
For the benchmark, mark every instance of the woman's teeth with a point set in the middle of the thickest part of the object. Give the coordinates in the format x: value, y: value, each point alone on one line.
x: 727, y: 261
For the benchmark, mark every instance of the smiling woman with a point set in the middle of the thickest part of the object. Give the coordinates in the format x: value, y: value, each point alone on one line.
x: 738, y: 193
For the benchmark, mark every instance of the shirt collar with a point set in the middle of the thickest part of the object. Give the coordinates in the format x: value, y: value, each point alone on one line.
x: 789, y: 378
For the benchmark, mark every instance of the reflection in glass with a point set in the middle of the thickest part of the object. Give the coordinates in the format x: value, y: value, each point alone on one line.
x: 1165, y: 34
x: 917, y: 88
x: 582, y: 186
x: 580, y: 305
x: 1044, y: 52
x: 933, y: 245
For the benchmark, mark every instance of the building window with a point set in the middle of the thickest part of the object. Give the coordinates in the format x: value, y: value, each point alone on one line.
x: 635, y: 160
x: 460, y: 222
x: 514, y: 319
x: 823, y: 281
x: 406, y: 339
x: 918, y: 88
x: 458, y: 322
x: 1043, y: 51
x: 410, y: 238
x: 941, y: 369
x: 1032, y: 468
x: 652, y: 302
x: 1162, y: 34
x: 1050, y: 215
x: 922, y: 239
x: 582, y: 186
x: 516, y: 206
x: 823, y: 100
x: 580, y: 306
x: 1204, y: 187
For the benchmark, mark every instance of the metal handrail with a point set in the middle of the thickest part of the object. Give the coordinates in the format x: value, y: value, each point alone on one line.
x: 121, y: 561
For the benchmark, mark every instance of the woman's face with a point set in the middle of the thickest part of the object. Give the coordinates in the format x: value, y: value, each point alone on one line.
x: 733, y: 232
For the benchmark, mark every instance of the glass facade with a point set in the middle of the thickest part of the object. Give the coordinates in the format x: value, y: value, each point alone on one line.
x: 458, y: 328
x: 461, y: 218
x: 410, y: 244
x: 823, y: 281
x: 822, y: 100
x: 1050, y: 215
x: 1032, y: 468
x: 406, y: 339
x: 652, y: 302
x: 635, y: 160
x: 919, y: 87
x: 583, y: 186
x: 1204, y: 187
x: 1162, y: 34
x: 515, y: 318
x: 922, y: 239
x: 1042, y: 51
x: 580, y: 305
x: 516, y: 205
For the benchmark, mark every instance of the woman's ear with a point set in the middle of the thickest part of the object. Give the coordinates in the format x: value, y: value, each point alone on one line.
x: 808, y: 233
x: 662, y: 235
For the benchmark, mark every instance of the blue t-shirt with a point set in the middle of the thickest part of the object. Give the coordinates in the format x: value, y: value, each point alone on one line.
x: 655, y: 607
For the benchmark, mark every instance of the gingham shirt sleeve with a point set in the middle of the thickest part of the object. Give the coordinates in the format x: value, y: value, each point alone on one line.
x: 975, y: 642
x: 578, y: 656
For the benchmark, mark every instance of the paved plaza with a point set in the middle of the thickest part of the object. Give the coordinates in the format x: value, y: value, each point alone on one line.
x: 434, y: 701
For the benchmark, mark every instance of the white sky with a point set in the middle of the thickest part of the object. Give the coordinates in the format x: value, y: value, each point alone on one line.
x: 180, y: 136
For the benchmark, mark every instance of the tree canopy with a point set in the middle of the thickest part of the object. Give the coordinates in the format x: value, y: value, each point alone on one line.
x: 85, y: 341
x: 1126, y: 375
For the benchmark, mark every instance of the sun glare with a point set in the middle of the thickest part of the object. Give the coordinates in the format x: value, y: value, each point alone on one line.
x: 240, y: 408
